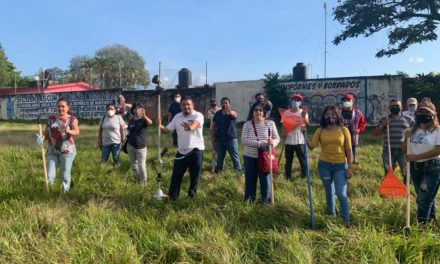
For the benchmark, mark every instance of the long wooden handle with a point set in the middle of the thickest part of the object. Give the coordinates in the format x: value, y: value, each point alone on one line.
x: 389, y: 146
x: 408, y: 181
x: 44, y: 161
x: 271, y: 170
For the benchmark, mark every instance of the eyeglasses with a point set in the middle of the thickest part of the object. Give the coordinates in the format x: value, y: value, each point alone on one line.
x: 258, y: 110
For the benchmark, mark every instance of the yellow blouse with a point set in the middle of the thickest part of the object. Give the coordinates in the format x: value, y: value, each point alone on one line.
x: 334, y: 143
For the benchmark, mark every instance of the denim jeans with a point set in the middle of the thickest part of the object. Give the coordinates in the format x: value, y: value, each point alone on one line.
x: 334, y: 180
x: 138, y: 159
x: 115, y: 149
x: 193, y: 162
x: 251, y: 178
x: 426, y: 180
x: 65, y: 162
x: 289, y: 153
x: 232, y: 147
x: 397, y: 155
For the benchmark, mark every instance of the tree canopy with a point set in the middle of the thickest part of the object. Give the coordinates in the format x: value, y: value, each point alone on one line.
x: 407, y: 21
x: 276, y: 93
x: 7, y: 70
x: 114, y: 66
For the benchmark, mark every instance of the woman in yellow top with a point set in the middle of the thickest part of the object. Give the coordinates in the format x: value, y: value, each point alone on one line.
x: 335, y: 159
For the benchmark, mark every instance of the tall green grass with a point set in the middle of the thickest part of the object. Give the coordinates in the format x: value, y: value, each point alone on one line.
x: 109, y: 218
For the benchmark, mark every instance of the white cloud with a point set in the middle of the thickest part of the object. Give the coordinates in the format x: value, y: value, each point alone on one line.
x: 417, y: 60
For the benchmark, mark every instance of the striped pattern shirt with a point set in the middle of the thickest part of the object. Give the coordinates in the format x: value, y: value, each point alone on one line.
x: 397, y: 129
x: 251, y: 142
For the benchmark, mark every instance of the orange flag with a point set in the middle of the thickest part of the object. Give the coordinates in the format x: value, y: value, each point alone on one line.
x: 290, y: 121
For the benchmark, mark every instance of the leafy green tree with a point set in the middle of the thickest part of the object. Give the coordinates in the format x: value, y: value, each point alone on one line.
x: 407, y: 22
x: 424, y: 85
x: 120, y: 67
x: 276, y: 93
x: 7, y: 70
x: 81, y: 69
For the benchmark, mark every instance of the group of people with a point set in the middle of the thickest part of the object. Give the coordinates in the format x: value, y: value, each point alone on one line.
x: 338, y: 136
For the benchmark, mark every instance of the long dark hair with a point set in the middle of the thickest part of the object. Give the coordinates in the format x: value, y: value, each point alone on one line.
x: 62, y: 99
x: 339, y: 120
x: 434, y: 123
x: 136, y: 105
x: 263, y: 105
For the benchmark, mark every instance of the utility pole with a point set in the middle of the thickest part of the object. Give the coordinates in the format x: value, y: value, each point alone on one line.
x: 325, y: 39
x: 120, y: 76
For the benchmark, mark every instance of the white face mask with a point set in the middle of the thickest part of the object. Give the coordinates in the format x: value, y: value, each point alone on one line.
x: 111, y: 113
x: 177, y: 99
x: 295, y: 104
x: 347, y: 104
x: 412, y: 109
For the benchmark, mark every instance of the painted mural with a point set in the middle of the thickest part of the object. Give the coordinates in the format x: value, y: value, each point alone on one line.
x: 87, y: 105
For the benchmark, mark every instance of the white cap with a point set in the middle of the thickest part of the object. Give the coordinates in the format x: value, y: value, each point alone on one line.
x: 411, y: 100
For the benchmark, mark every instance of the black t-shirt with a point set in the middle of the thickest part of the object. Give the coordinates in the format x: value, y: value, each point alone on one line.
x: 174, y: 109
x: 226, y: 126
x: 137, y: 133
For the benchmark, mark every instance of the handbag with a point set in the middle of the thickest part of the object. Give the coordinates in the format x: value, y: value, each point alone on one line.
x: 264, y: 156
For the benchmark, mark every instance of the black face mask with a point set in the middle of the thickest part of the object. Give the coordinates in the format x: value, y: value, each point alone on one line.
x: 424, y: 119
x: 330, y: 121
x: 395, y: 110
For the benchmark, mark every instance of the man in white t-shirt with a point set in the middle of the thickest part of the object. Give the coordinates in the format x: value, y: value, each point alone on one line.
x: 411, y: 106
x: 189, y: 127
x: 295, y: 139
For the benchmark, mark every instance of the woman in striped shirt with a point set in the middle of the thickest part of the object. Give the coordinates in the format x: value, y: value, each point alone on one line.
x: 255, y: 135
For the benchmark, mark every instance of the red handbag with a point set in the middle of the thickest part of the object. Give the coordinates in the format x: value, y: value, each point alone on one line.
x: 264, y: 156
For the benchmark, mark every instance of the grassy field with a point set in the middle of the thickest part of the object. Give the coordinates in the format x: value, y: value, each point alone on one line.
x: 109, y: 218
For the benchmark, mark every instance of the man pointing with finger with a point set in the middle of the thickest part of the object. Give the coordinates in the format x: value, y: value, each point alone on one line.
x: 190, y: 146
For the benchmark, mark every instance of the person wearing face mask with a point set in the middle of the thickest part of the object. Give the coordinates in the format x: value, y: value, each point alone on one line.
x: 424, y: 158
x: 335, y: 160
x: 111, y: 135
x: 411, y: 105
x: 211, y: 112
x: 173, y: 110
x: 258, y: 98
x: 295, y: 139
x: 397, y: 123
x: 123, y: 108
x: 137, y: 141
x: 354, y: 120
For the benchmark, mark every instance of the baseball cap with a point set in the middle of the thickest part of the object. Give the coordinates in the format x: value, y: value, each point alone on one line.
x: 411, y: 100
x: 348, y: 96
x: 297, y: 96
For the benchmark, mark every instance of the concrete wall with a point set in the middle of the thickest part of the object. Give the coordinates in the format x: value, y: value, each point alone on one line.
x: 240, y: 93
x: 87, y: 105
x: 91, y: 104
x: 372, y: 94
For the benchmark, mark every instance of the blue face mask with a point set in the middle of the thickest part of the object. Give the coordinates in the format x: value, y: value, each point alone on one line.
x: 411, y: 109
x: 295, y: 104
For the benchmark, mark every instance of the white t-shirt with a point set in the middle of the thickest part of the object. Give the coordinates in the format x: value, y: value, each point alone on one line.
x: 188, y: 140
x: 111, y: 130
x: 295, y: 137
x: 423, y: 141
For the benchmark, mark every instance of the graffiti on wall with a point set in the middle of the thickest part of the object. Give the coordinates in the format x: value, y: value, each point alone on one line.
x: 88, y: 105
x: 321, y: 93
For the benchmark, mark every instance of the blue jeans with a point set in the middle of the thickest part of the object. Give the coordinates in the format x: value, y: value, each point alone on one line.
x: 334, y: 180
x: 426, y: 180
x: 397, y: 155
x: 232, y: 147
x: 251, y: 178
x: 115, y: 149
x: 65, y: 162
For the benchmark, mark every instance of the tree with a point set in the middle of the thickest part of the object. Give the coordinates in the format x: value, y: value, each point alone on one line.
x: 424, y: 85
x: 120, y: 67
x: 7, y: 70
x: 407, y: 21
x: 276, y: 93
x: 81, y: 69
